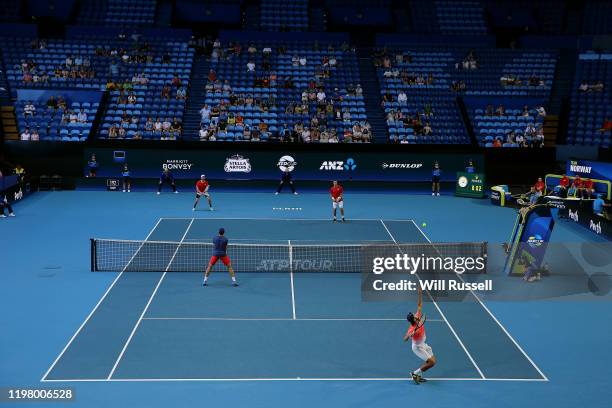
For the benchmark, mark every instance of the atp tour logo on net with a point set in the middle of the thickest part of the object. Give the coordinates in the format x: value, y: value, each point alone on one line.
x: 338, y: 165
x: 279, y: 265
x: 178, y: 164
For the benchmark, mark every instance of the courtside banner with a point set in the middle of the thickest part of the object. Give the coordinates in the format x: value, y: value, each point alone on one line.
x: 266, y: 165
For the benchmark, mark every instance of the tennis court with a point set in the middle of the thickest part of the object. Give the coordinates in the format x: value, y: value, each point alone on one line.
x: 164, y: 326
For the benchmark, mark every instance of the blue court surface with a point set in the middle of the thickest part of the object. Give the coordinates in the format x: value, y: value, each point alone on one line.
x: 159, y: 338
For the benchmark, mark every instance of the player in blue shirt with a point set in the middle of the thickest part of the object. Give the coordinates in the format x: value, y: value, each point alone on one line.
x: 167, y: 178
x: 435, y: 179
x: 127, y: 179
x: 4, y: 203
x: 220, y: 252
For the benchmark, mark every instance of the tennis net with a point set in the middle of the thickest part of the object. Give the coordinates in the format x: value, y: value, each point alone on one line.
x: 287, y: 256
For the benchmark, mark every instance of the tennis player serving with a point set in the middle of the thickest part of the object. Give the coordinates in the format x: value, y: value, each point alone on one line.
x: 202, y: 190
x: 416, y: 332
x: 336, y: 191
x: 220, y: 252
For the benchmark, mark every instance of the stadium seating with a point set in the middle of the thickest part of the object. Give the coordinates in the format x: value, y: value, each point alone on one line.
x: 282, y: 15
x: 489, y: 127
x: 49, y: 123
x: 592, y: 106
x: 117, y: 13
x: 279, y: 97
x: 596, y: 17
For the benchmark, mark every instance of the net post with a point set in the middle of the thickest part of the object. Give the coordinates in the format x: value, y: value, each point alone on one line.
x: 93, y: 255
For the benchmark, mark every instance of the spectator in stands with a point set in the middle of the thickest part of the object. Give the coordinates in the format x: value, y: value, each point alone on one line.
x: 157, y: 127
x: 121, y: 132
x: 520, y: 140
x: 606, y: 126
x: 25, y: 135
x: 539, y: 137
x: 489, y: 111
x: 131, y: 99
x: 176, y: 81
x: 165, y: 92
x: 205, y: 113
x: 525, y: 112
x: 427, y: 129
x: 29, y: 110
x: 51, y: 103
x: 497, y: 142
x: 181, y: 94
x: 82, y: 116
x: 176, y: 127
x: 402, y: 98
x: 501, y: 110
x: 250, y: 66
x: 541, y: 111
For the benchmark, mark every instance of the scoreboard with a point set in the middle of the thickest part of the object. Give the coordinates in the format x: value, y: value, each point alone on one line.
x: 470, y: 185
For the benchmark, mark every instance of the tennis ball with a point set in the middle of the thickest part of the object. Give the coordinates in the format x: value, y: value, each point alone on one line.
x: 424, y: 224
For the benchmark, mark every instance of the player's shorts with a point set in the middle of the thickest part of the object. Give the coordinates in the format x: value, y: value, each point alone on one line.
x: 435, y: 179
x: 225, y: 259
x: 337, y: 204
x: 205, y: 194
x: 127, y: 179
x: 422, y: 350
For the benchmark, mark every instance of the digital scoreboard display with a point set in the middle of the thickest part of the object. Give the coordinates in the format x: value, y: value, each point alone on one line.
x: 470, y: 185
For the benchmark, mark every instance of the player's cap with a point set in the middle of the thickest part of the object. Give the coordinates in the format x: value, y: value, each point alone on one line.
x: 203, y: 176
x: 221, y: 231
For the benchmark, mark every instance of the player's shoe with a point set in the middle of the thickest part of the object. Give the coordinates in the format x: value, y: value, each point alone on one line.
x: 2, y: 216
x: 343, y: 220
x: 211, y: 209
x: 176, y: 192
x: 11, y: 214
x: 416, y: 378
x: 296, y: 193
x: 193, y: 209
x: 235, y: 284
x: 204, y: 283
x: 433, y: 194
x: 422, y: 380
x: 129, y: 191
x: 334, y: 220
x: 438, y: 194
x: 276, y: 193
x: 158, y: 193
x: 124, y: 190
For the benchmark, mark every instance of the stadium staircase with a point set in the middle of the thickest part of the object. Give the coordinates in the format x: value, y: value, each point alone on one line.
x: 556, y: 122
x: 197, y: 97
x: 371, y: 94
x: 9, y: 122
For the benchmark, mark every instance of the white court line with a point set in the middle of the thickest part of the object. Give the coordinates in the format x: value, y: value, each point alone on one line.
x: 99, y: 303
x: 440, y: 311
x: 544, y: 377
x: 339, y: 379
x: 280, y: 219
x: 312, y: 319
x: 291, y: 276
x: 161, y: 279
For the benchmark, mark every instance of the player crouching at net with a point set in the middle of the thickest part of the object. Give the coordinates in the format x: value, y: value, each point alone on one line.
x: 166, y: 178
x: 202, y: 190
x: 416, y: 332
x: 336, y: 191
x: 220, y: 252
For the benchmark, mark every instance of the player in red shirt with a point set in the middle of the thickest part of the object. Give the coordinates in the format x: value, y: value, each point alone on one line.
x: 540, y: 187
x: 202, y: 190
x: 564, y: 182
x: 336, y: 191
x: 588, y: 191
x: 416, y: 332
x: 577, y: 184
